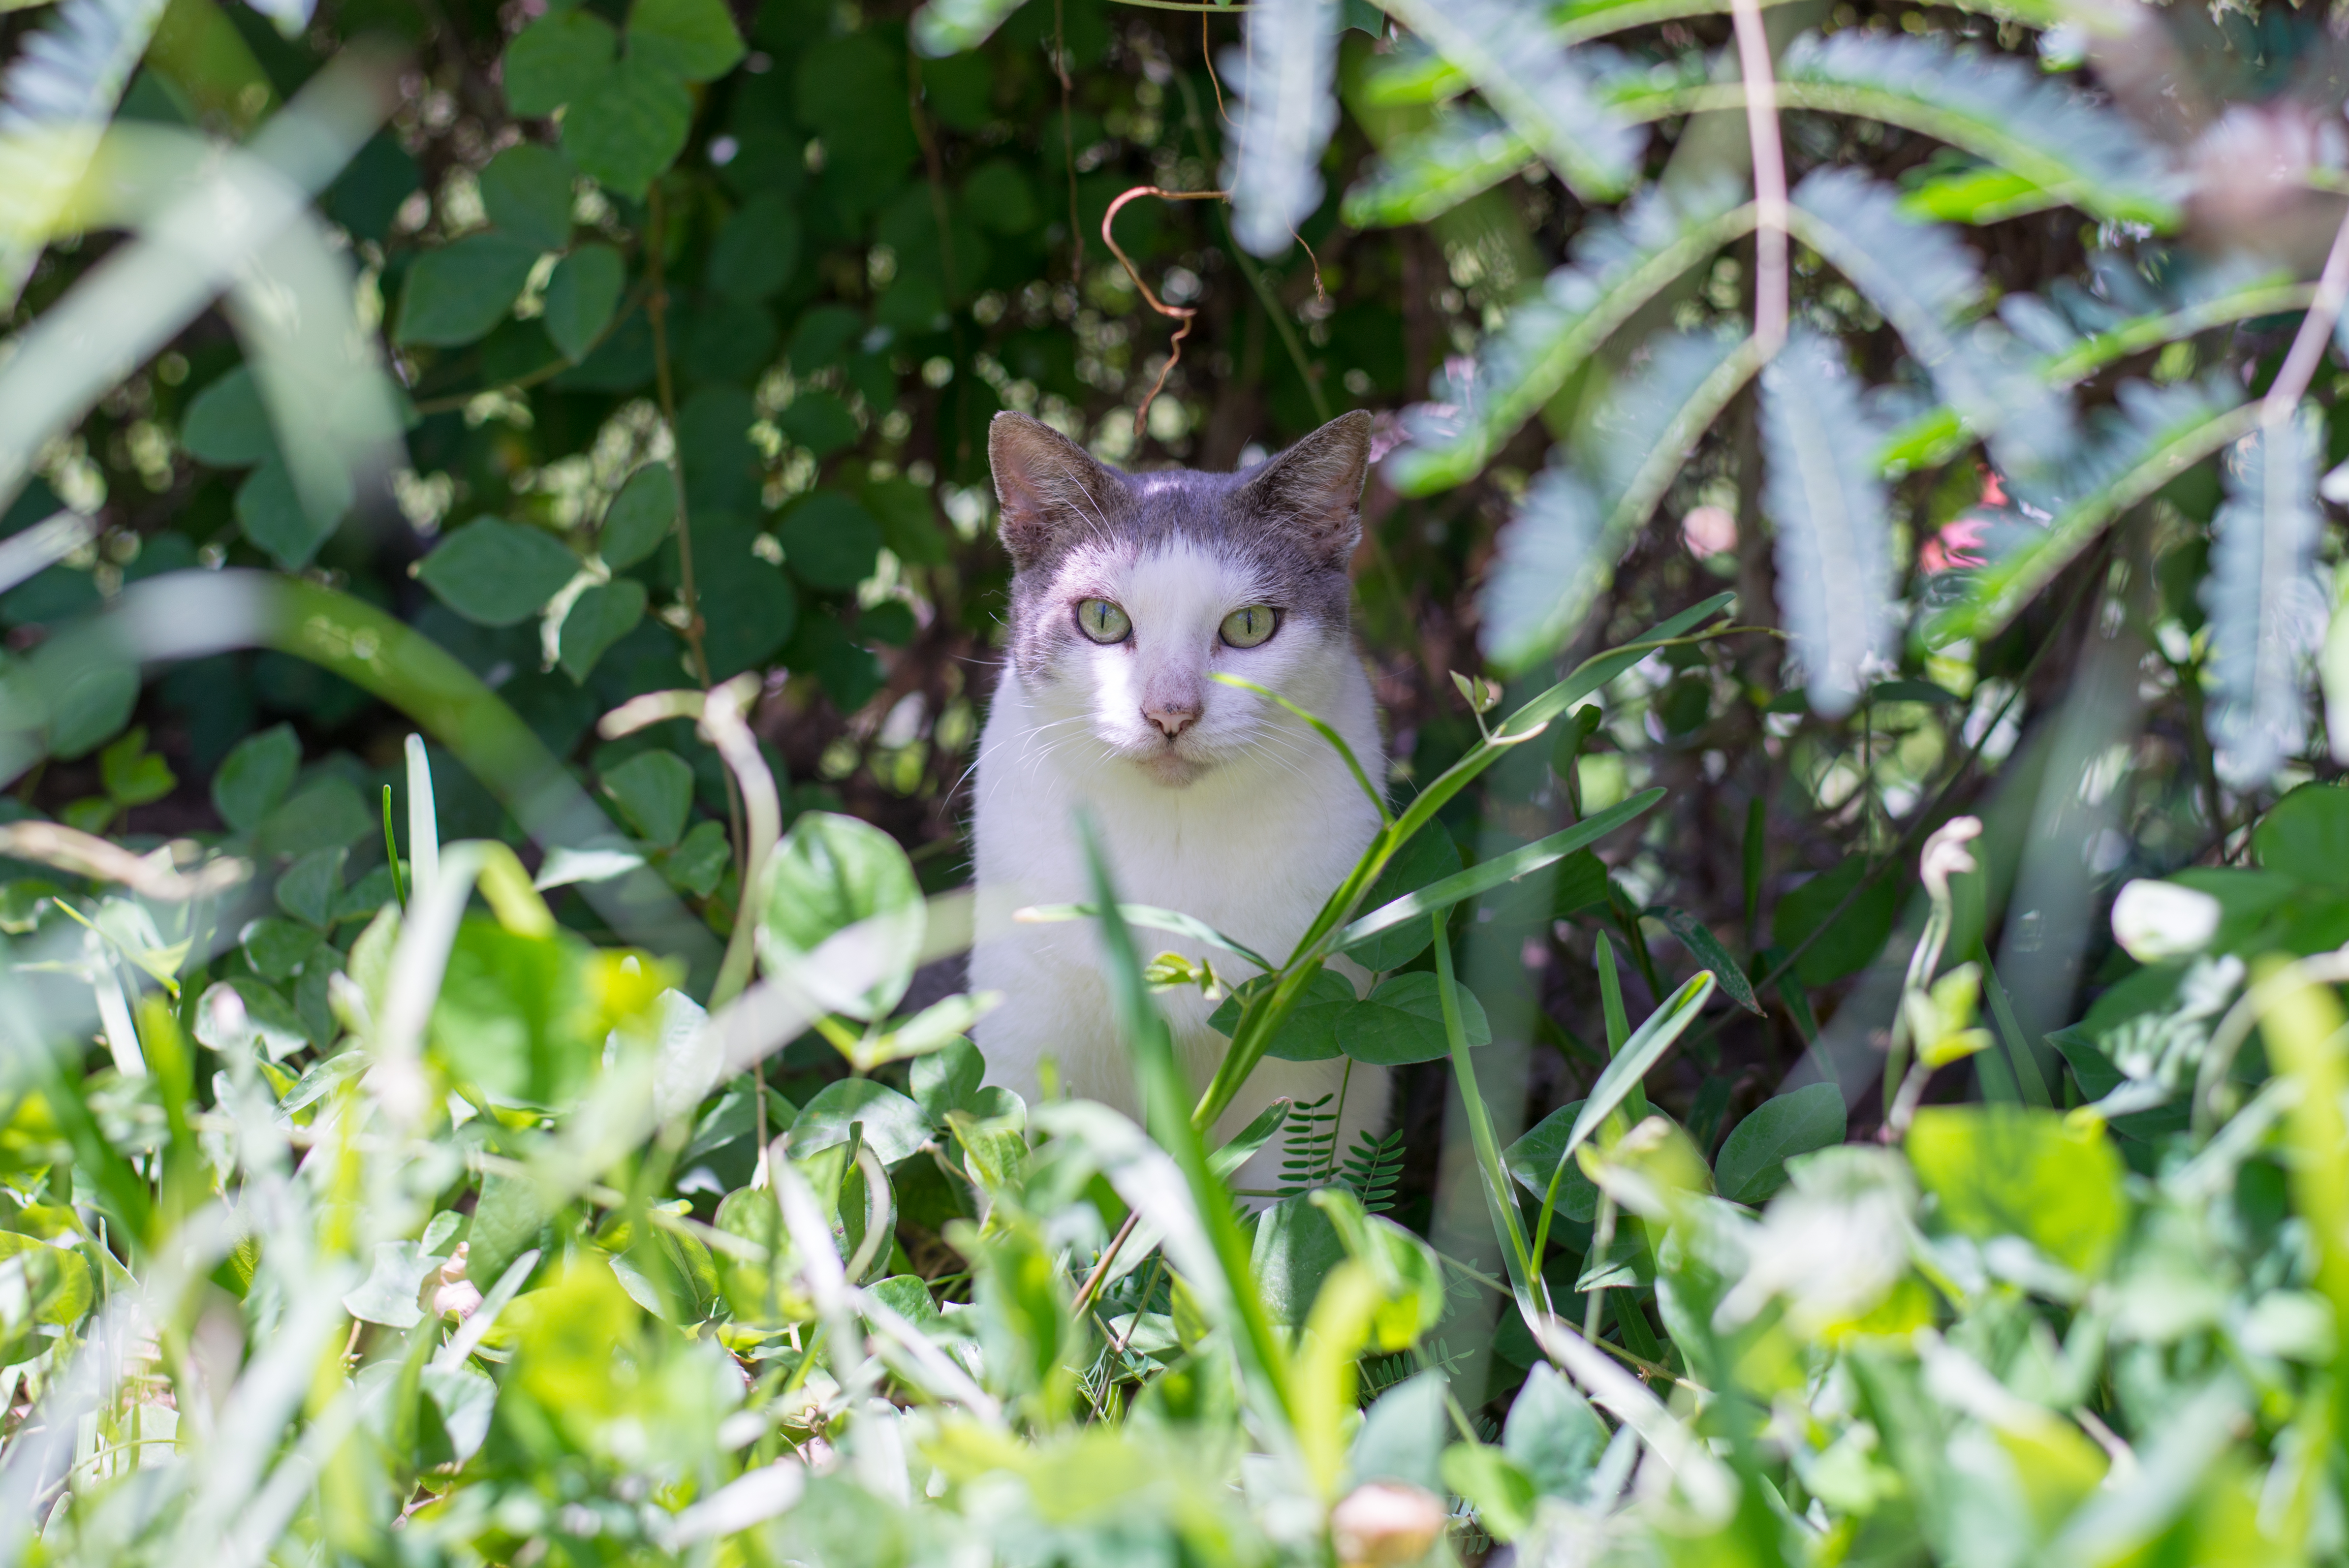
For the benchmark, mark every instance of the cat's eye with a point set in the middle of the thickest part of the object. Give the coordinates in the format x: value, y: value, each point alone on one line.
x: 1103, y: 622
x: 1250, y: 624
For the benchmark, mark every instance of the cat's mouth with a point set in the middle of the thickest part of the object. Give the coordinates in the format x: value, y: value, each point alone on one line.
x: 1172, y: 764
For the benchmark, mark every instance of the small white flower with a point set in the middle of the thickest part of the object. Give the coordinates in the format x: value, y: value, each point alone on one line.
x: 2157, y: 920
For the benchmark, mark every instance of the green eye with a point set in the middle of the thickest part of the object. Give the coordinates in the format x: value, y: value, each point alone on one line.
x: 1103, y: 622
x: 1250, y: 624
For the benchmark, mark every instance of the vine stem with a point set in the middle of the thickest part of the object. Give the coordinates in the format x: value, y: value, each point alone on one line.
x: 2315, y: 328
x: 1182, y: 313
x: 1770, y: 269
x: 657, y: 313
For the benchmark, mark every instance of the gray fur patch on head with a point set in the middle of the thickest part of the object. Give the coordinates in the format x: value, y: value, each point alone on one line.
x: 1294, y: 520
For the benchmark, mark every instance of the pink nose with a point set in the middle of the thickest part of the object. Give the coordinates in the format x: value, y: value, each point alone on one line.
x: 1173, y: 719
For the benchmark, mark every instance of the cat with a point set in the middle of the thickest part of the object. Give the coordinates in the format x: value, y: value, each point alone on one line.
x: 1128, y: 591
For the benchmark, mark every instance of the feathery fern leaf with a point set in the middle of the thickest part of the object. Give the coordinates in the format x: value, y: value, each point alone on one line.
x: 1551, y: 563
x: 55, y: 102
x: 1423, y: 176
x: 2156, y: 434
x: 1308, y: 1146
x: 1996, y: 108
x: 944, y: 27
x: 2267, y: 612
x: 1507, y: 49
x: 1522, y: 366
x: 1559, y: 550
x: 1371, y: 1169
x: 1287, y: 106
x: 1924, y: 281
x: 1823, y: 495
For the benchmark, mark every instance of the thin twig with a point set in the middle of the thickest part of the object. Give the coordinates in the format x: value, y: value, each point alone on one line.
x: 1069, y: 150
x: 1769, y: 177
x: 150, y: 876
x: 1182, y: 313
x: 2315, y: 328
x: 1086, y: 1292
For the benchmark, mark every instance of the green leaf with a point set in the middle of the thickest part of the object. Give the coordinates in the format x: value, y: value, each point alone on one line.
x: 280, y: 951
x: 1619, y: 268
x: 556, y: 59
x: 1450, y: 890
x: 830, y: 541
x: 2306, y: 835
x: 328, y: 814
x: 828, y: 874
x: 1309, y: 1032
x: 1752, y: 1163
x: 1428, y: 858
x: 254, y: 776
x: 269, y: 512
x: 639, y: 518
x: 629, y: 126
x: 943, y: 27
x: 495, y: 573
x: 894, y: 1127
x: 597, y: 618
x: 226, y: 424
x: 389, y: 1293
x: 1822, y: 494
x: 755, y: 252
x: 581, y: 296
x: 1501, y: 1494
x: 1858, y: 933
x: 131, y: 774
x: 516, y: 1016
x: 311, y: 885
x: 750, y: 612
x: 1536, y: 1158
x: 1706, y: 949
x: 693, y: 38
x: 699, y: 859
x: 949, y: 1079
x: 1296, y: 1247
x: 88, y: 700
x: 818, y: 421
x: 1424, y: 175
x: 1402, y: 1022
x: 1640, y: 1053
x: 1507, y: 49
x: 526, y: 191
x: 1553, y: 1435
x: 2018, y: 1171
x: 457, y: 293
x: 655, y: 791
x: 1402, y: 1434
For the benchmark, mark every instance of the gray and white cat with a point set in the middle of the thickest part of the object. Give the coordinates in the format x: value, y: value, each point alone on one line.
x: 1128, y: 592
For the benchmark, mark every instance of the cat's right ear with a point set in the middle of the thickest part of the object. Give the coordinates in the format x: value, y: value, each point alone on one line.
x: 1047, y: 488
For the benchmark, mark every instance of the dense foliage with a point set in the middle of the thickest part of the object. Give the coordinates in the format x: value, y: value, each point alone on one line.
x: 499, y: 595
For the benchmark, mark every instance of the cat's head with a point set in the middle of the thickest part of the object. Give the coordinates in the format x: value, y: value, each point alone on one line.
x: 1130, y: 590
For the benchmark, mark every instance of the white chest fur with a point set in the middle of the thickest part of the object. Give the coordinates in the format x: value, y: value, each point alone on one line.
x: 1252, y: 848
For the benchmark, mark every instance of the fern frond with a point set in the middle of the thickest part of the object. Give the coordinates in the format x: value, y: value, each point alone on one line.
x: 1371, y: 1169
x: 1924, y: 282
x: 2154, y: 435
x: 944, y: 27
x: 55, y: 102
x: 1506, y: 48
x: 1827, y: 505
x: 1997, y: 109
x: 1620, y: 267
x: 1308, y: 1146
x: 2267, y: 612
x: 1557, y: 553
x: 1423, y: 176
x: 1284, y: 80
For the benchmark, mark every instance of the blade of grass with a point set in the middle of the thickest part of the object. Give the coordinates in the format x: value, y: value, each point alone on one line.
x: 1525, y: 1285
x: 1322, y: 728
x: 1464, y: 885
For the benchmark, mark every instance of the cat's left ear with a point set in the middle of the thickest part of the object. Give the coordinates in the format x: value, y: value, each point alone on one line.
x: 1314, y: 490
